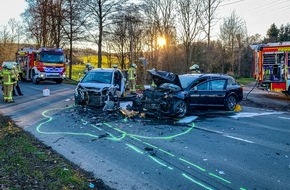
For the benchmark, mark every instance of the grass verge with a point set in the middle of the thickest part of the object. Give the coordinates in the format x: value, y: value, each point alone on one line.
x: 25, y: 163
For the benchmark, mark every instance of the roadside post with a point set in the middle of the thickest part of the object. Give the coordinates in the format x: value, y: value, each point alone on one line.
x: 144, y: 62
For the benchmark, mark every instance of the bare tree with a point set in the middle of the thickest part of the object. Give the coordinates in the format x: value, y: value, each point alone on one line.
x: 231, y: 32
x: 191, y: 26
x: 102, y: 13
x: 74, y: 23
x: 160, y: 16
x: 208, y: 18
x: 4, y: 42
x: 43, y: 20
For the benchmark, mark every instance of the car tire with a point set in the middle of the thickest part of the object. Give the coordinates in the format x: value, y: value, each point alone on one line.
x: 58, y: 81
x: 179, y: 108
x: 231, y: 103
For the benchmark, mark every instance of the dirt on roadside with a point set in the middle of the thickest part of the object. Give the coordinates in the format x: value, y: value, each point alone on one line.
x: 254, y: 97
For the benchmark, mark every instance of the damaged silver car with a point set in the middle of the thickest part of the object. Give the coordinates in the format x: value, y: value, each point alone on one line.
x: 100, y: 87
x: 176, y: 95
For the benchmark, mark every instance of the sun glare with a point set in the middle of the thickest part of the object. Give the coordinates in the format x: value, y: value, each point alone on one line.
x: 161, y: 41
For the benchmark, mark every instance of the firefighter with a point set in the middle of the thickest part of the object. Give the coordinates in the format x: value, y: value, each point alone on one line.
x: 20, y: 72
x: 132, y: 78
x: 17, y: 77
x: 194, y: 69
x: 8, y: 81
x: 88, y: 68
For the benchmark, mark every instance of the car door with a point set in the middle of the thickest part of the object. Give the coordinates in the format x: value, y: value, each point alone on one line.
x: 218, y: 92
x: 199, y: 94
x: 119, y: 80
x: 208, y: 93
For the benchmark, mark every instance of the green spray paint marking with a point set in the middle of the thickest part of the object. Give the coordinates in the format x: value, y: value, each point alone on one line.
x: 96, y: 127
x: 196, y: 182
x: 162, y: 164
x: 135, y: 148
x: 156, y: 138
x: 220, y: 178
x: 194, y: 165
x: 166, y: 152
x: 58, y: 133
x: 135, y: 139
x: 150, y: 145
x: 114, y: 138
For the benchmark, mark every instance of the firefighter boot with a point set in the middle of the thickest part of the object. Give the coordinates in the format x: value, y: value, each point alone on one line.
x: 19, y: 90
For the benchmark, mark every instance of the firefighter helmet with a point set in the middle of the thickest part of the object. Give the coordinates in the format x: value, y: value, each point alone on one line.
x: 134, y: 65
x: 194, y: 67
x: 8, y: 65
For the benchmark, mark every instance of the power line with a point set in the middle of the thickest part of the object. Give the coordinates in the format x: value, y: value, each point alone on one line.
x: 232, y: 3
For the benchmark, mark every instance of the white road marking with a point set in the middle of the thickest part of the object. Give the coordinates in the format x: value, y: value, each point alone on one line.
x: 284, y: 118
x: 252, y: 114
x: 237, y: 138
x: 188, y: 119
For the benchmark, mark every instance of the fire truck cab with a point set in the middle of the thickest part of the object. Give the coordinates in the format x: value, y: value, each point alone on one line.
x: 272, y: 66
x: 42, y: 64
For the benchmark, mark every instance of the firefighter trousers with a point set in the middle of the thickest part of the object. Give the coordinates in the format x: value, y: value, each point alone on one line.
x: 7, y: 92
x: 132, y: 85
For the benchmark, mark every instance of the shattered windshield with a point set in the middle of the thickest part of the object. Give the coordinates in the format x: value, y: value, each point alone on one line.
x: 170, y: 86
x: 98, y: 77
x: 186, y: 80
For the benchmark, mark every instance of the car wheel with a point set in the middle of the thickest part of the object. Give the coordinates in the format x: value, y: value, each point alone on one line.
x: 58, y: 81
x: 179, y: 108
x: 231, y: 103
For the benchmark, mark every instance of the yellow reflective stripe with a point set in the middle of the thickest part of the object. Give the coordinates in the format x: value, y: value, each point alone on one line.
x: 131, y: 73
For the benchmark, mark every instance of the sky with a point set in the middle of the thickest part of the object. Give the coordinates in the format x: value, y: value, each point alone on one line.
x: 257, y: 14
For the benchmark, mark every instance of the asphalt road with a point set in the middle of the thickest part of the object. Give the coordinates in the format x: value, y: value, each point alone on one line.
x: 211, y: 149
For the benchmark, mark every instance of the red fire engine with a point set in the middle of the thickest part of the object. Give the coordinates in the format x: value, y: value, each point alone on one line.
x: 42, y: 64
x: 272, y: 66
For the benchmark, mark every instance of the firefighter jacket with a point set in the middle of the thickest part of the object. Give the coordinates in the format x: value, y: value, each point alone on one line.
x: 1, y: 75
x: 9, y: 77
x: 16, y: 72
x: 18, y: 66
x: 131, y: 73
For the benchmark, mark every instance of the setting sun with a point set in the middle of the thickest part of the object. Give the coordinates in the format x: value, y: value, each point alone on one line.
x: 161, y: 41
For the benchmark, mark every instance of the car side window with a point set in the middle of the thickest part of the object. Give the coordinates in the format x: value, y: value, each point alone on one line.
x: 218, y: 84
x: 203, y: 86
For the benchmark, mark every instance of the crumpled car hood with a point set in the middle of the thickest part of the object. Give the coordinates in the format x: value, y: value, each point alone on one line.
x: 98, y: 86
x: 160, y: 77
